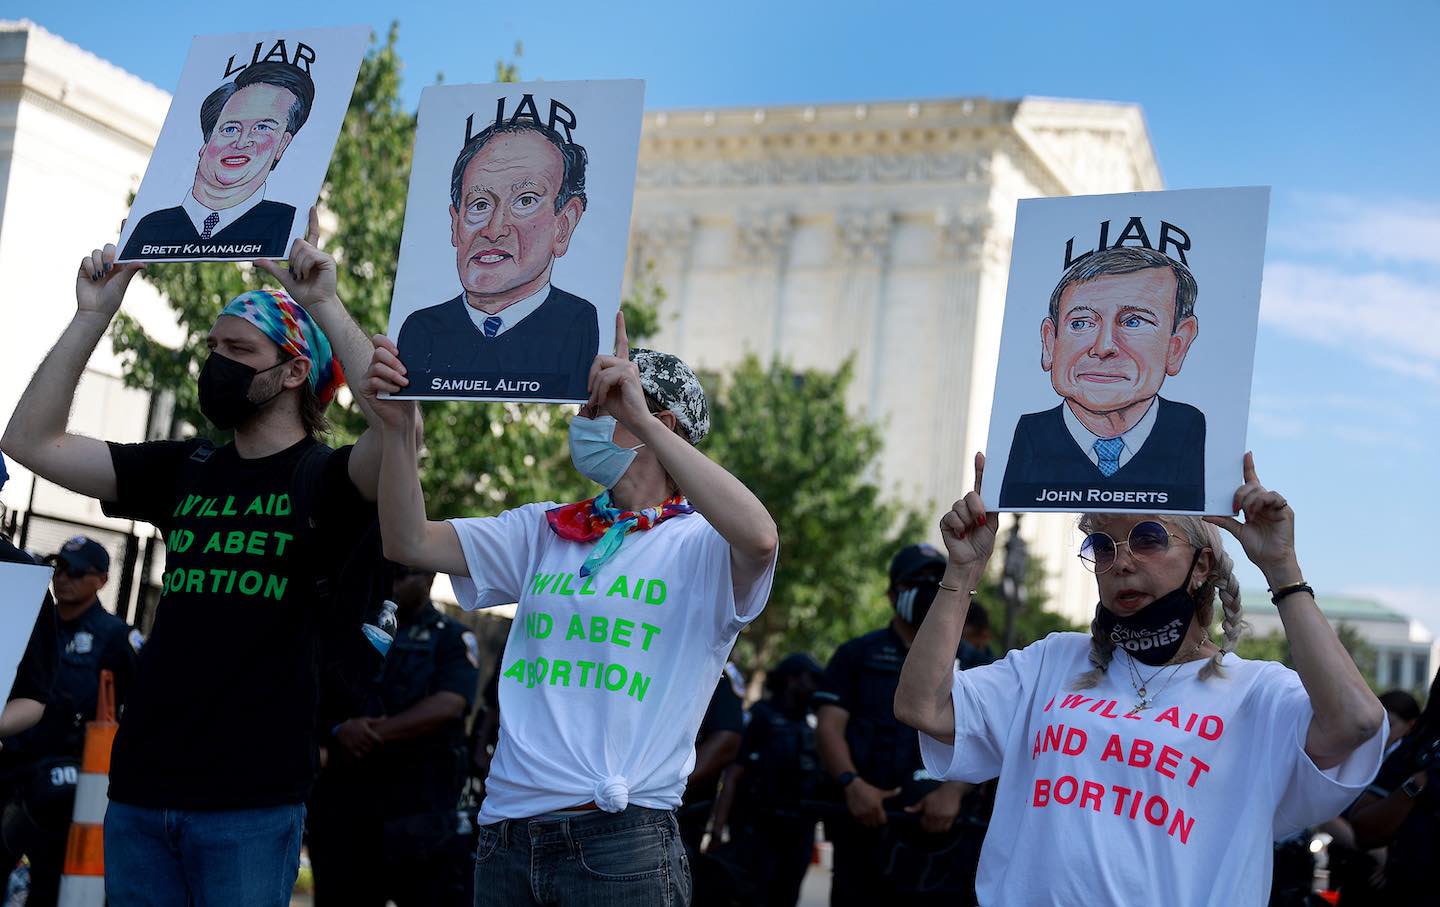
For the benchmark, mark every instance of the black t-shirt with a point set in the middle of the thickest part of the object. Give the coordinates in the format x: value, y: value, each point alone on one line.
x: 781, y: 765
x: 222, y: 712
x: 1409, y: 868
x: 36, y: 672
x: 726, y: 712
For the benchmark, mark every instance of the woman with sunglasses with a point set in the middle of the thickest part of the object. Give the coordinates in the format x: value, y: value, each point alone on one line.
x: 1145, y: 762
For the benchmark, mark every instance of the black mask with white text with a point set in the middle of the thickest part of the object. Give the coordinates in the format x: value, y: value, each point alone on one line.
x: 225, y: 391
x: 1153, y: 634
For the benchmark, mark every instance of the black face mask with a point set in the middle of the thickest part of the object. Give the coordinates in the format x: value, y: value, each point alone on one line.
x: 225, y: 391
x: 914, y: 603
x: 1154, y: 633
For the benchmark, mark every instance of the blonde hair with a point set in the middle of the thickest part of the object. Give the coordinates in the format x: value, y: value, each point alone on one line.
x: 1219, y: 582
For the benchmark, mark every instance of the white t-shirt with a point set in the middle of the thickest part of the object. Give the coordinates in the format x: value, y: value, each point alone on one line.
x: 605, y: 679
x: 1177, y: 805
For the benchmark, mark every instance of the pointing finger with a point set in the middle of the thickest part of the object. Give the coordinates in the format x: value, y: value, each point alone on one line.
x: 622, y: 342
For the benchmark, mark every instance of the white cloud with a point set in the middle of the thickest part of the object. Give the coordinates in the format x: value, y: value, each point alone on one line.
x: 1384, y: 319
x: 1391, y: 232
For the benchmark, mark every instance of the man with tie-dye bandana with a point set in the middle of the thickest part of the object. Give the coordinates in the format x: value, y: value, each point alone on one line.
x: 217, y: 745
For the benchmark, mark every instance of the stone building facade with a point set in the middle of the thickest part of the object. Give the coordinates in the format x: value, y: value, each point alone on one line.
x: 879, y: 232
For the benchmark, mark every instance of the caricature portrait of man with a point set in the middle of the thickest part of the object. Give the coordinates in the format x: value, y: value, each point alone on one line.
x: 517, y: 194
x: 246, y: 126
x: 1121, y: 320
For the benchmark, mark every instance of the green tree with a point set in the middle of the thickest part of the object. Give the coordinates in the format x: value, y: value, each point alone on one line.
x: 1032, y: 621
x: 479, y: 458
x: 788, y: 436
x: 1275, y: 647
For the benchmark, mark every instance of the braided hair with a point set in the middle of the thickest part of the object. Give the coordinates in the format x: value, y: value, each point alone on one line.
x: 1219, y: 582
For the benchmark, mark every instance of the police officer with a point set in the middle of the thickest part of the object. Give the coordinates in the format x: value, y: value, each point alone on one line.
x: 44, y: 761
x: 383, y: 817
x: 766, y: 793
x: 716, y: 746
x: 875, y: 760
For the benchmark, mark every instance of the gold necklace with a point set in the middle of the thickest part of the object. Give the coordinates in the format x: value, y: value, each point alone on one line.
x: 1145, y: 700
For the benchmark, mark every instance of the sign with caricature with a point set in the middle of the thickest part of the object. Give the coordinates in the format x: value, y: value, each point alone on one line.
x: 245, y: 146
x: 516, y: 233
x: 1127, y: 351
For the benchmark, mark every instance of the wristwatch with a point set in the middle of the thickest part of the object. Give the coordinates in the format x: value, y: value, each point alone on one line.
x: 1411, y: 789
x: 845, y: 778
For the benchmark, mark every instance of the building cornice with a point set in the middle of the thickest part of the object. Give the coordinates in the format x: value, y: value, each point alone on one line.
x: 1069, y: 145
x: 38, y: 66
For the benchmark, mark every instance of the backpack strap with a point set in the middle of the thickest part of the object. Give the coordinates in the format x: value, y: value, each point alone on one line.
x: 306, y: 480
x: 305, y: 484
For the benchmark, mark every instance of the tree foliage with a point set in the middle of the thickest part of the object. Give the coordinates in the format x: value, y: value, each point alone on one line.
x: 788, y: 436
x: 1275, y: 647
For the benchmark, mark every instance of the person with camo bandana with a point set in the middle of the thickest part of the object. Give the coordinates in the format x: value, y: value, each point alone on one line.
x: 628, y: 605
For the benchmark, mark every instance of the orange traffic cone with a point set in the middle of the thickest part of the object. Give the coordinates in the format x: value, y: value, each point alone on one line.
x: 83, y: 884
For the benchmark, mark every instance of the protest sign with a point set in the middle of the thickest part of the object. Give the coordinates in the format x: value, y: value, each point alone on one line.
x: 516, y: 232
x: 1127, y: 351
x: 22, y: 590
x: 245, y: 146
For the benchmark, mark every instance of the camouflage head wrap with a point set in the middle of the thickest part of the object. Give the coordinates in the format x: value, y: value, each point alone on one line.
x: 674, y: 386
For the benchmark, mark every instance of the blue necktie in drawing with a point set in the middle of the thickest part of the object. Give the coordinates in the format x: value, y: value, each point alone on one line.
x: 210, y: 223
x: 492, y: 325
x: 1108, y: 450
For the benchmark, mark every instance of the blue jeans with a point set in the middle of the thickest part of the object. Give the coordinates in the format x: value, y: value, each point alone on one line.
x: 628, y: 859
x: 220, y: 858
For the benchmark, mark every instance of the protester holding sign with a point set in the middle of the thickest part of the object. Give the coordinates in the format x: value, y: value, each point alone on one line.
x: 1145, y: 763
x: 215, y: 757
x: 628, y: 604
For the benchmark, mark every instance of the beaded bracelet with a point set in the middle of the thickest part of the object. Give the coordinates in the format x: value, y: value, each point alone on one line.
x: 1291, y: 589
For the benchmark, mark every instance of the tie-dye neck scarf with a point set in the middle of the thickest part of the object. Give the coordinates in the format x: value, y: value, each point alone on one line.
x: 596, y: 518
x: 293, y: 330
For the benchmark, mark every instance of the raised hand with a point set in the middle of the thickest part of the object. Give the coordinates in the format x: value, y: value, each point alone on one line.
x: 100, y: 283
x: 1268, y: 532
x: 386, y: 375
x: 969, y: 534
x: 615, y: 382
x: 310, y: 278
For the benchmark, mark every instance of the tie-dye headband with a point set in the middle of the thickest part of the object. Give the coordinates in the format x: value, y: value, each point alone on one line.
x: 293, y: 330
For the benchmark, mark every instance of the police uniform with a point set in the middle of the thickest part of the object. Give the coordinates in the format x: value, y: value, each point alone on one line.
x: 861, y: 678
x: 43, y: 761
x: 772, y: 834
x: 385, y: 827
x: 725, y: 714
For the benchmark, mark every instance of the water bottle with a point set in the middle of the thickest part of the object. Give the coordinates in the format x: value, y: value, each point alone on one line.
x: 382, y: 635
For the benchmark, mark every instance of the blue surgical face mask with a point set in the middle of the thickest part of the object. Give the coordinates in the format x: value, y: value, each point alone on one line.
x: 594, y: 452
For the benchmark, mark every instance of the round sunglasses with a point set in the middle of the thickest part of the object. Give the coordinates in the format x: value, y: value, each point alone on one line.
x: 1147, y: 539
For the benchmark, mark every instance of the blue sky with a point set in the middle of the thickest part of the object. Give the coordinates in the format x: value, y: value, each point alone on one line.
x: 1332, y: 106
